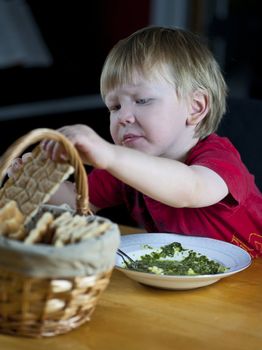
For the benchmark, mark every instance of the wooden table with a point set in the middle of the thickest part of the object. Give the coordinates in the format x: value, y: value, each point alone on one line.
x: 131, y: 316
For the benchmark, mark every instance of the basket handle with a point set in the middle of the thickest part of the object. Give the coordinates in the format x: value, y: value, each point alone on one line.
x: 37, y: 135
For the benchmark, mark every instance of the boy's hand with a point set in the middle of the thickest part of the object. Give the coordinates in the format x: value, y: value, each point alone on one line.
x: 92, y: 148
x: 17, y: 163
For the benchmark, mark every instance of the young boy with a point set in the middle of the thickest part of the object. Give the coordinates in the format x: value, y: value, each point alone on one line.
x: 166, y: 96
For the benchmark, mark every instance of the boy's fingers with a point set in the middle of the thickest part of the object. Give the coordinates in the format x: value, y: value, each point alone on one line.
x: 14, y: 167
x: 16, y: 163
x: 44, y: 144
x: 54, y: 150
x: 26, y: 157
x: 59, y: 153
x: 9, y: 172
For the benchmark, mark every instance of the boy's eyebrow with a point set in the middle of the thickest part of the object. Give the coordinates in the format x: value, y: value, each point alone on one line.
x: 110, y: 99
x: 128, y: 88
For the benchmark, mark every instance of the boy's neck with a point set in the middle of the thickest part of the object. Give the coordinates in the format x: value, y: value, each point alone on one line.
x: 185, y: 150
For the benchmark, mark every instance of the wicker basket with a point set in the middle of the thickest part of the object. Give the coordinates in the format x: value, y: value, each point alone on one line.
x: 39, y: 306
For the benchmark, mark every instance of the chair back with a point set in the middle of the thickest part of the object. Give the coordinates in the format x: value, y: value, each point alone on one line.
x: 242, y: 124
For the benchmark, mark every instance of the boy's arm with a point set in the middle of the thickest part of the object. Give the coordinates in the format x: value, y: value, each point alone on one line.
x: 167, y: 180
x: 66, y: 195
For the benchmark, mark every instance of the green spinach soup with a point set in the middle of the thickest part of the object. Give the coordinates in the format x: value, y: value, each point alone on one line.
x: 173, y: 259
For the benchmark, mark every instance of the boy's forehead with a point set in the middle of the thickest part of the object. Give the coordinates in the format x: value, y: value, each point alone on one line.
x: 142, y: 84
x: 148, y: 73
x: 138, y: 79
x: 127, y: 87
x: 118, y: 75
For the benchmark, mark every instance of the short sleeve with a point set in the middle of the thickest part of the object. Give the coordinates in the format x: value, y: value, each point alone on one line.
x: 218, y: 154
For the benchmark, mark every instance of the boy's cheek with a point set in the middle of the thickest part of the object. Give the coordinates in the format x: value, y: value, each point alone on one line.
x: 113, y: 134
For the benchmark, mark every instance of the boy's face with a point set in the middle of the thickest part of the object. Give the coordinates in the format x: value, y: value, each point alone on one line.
x: 147, y: 115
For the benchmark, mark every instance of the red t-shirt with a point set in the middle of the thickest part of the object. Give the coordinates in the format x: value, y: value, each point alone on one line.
x: 236, y: 219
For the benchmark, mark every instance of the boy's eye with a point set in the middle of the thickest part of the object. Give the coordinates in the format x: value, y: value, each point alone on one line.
x: 142, y: 101
x: 114, y: 108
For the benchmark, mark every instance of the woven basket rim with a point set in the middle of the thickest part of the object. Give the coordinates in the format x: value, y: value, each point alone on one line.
x: 90, y: 256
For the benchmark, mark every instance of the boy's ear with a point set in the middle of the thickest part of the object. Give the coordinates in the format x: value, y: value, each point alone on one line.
x: 198, y: 107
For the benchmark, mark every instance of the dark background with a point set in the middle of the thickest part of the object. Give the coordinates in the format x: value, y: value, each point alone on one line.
x: 79, y: 35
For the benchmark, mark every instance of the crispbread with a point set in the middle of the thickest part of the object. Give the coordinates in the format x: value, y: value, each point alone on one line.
x: 34, y: 183
x: 12, y: 221
x: 68, y: 228
x: 72, y: 229
x: 61, y: 230
x: 42, y: 228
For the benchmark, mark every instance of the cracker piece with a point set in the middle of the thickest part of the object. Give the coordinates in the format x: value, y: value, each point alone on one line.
x: 73, y: 229
x: 65, y: 227
x: 11, y: 211
x: 37, y: 234
x: 34, y: 183
x: 19, y: 235
x: 12, y: 221
x: 95, y: 231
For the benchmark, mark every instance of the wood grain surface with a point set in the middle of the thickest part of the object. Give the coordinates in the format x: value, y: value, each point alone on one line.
x: 131, y: 316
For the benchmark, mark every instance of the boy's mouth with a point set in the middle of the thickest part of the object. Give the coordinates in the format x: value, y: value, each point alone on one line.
x: 129, y: 139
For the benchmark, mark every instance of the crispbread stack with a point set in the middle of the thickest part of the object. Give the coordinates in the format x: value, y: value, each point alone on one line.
x: 57, y: 230
x: 34, y: 183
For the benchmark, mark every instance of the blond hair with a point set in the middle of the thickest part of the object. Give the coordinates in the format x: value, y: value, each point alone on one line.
x: 191, y: 67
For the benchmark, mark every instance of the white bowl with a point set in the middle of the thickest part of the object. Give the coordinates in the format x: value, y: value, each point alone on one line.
x: 234, y: 258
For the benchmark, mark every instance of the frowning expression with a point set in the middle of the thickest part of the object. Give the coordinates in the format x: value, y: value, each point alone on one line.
x: 148, y: 116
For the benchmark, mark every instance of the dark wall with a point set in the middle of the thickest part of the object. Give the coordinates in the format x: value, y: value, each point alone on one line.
x: 78, y: 35
x: 243, y: 124
x: 237, y: 32
x: 12, y: 129
x: 74, y: 37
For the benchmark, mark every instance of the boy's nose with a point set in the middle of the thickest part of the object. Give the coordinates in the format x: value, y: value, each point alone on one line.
x: 126, y: 116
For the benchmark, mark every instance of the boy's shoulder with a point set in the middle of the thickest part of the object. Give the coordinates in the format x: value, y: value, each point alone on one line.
x: 212, y: 145
x: 219, y: 154
x: 216, y: 141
